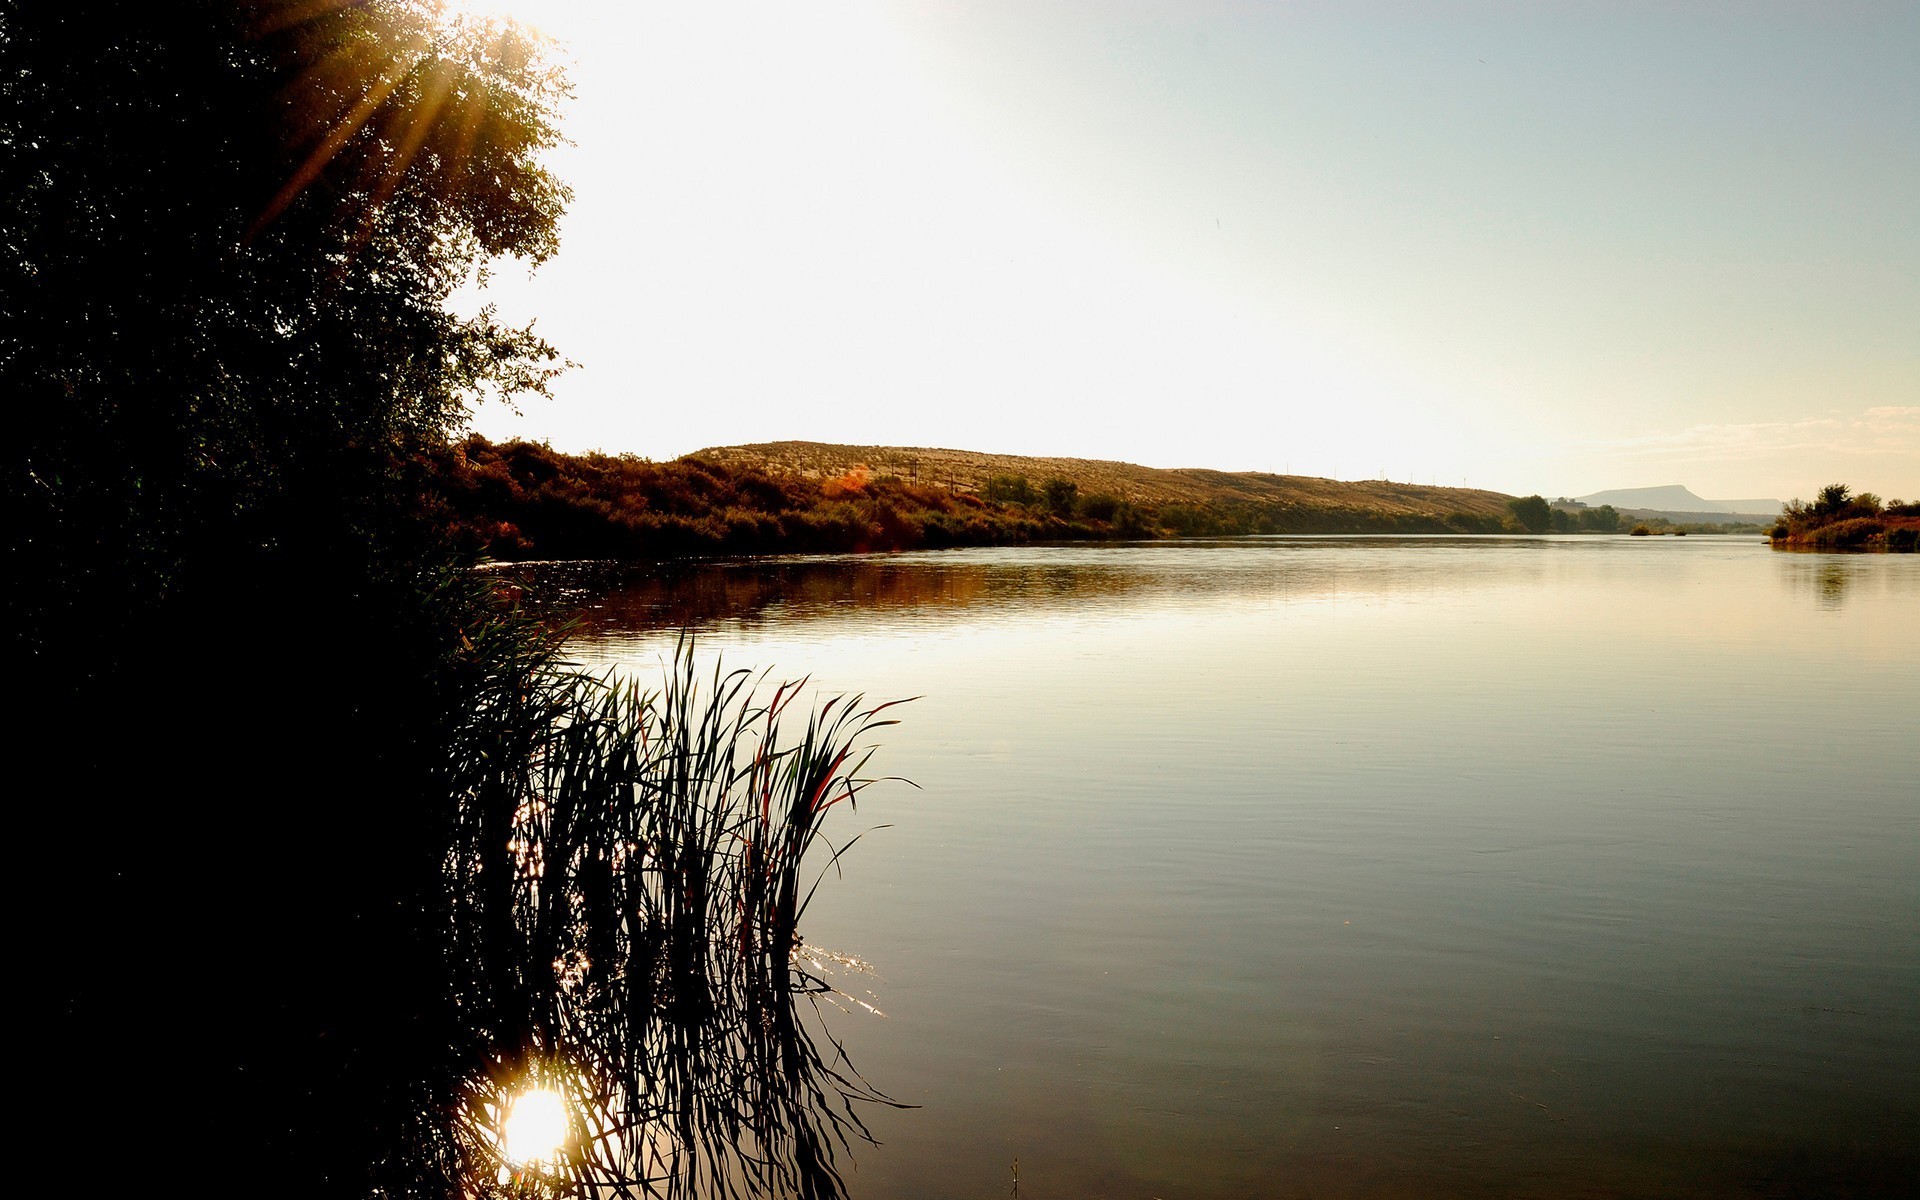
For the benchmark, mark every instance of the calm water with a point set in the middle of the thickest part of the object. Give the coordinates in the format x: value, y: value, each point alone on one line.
x: 1364, y: 867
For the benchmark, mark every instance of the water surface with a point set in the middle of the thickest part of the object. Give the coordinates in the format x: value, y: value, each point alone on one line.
x: 1362, y: 866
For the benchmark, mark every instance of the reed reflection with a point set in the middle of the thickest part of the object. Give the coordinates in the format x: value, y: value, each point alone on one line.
x: 623, y: 898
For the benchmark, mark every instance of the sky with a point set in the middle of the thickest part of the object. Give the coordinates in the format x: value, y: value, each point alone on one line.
x: 1527, y: 246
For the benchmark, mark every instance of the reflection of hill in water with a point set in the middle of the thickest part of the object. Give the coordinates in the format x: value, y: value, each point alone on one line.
x: 606, y: 599
x: 609, y: 598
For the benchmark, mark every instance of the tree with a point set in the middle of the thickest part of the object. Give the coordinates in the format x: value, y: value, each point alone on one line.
x: 231, y: 234
x: 1059, y: 496
x: 228, y: 237
x: 1531, y: 512
x: 1605, y: 519
x: 1009, y: 489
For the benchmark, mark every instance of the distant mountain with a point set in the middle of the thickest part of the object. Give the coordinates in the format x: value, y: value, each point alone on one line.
x: 1675, y: 498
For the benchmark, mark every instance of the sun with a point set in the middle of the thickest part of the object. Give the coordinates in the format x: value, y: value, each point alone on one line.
x: 555, y: 18
x: 535, y: 1128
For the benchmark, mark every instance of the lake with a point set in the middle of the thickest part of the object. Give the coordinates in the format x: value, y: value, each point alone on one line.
x: 1368, y: 867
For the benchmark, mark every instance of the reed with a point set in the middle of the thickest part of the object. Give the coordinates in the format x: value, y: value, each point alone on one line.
x: 626, y: 872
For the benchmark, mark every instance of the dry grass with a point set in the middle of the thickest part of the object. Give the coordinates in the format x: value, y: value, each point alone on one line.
x: 968, y: 470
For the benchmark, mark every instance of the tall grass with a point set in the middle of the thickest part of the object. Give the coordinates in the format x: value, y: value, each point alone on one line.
x: 626, y: 873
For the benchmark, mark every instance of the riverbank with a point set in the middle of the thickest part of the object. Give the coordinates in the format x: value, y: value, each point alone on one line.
x: 1898, y: 535
x: 520, y: 500
x: 1840, y: 520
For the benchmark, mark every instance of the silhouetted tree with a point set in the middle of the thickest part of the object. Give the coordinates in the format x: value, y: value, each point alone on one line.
x: 228, y: 235
x: 232, y: 230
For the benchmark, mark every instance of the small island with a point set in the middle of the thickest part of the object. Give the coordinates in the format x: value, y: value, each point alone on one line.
x: 1839, y: 520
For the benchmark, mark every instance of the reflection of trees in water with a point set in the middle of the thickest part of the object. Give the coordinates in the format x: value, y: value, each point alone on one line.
x: 1832, y: 584
x: 1825, y: 577
x: 607, y: 598
x: 627, y: 876
x: 700, y: 595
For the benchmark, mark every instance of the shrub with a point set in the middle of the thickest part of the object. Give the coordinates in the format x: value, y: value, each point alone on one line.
x: 1846, y: 535
x: 1008, y: 489
x: 851, y: 483
x: 1060, y: 495
x: 1130, y: 522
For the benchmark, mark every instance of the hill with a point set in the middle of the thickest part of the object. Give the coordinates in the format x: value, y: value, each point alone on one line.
x: 1305, y: 503
x: 518, y: 500
x: 1674, y: 499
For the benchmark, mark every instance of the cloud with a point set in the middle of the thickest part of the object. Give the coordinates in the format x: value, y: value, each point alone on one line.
x: 1887, y: 429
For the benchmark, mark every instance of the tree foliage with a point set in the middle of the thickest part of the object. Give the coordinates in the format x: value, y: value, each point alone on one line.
x: 232, y: 232
x: 1605, y: 519
x: 1009, y: 489
x: 1838, y: 519
x: 229, y: 238
x: 1531, y: 513
x: 1061, y: 496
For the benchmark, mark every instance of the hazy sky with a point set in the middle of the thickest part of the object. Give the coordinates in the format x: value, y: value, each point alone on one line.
x: 1530, y: 246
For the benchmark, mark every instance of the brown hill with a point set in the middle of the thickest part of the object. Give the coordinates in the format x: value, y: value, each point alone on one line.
x: 1314, y: 500
x: 521, y: 500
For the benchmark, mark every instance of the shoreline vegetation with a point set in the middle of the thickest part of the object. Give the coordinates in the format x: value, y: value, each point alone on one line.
x: 428, y: 869
x: 520, y: 500
x: 1837, y: 519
